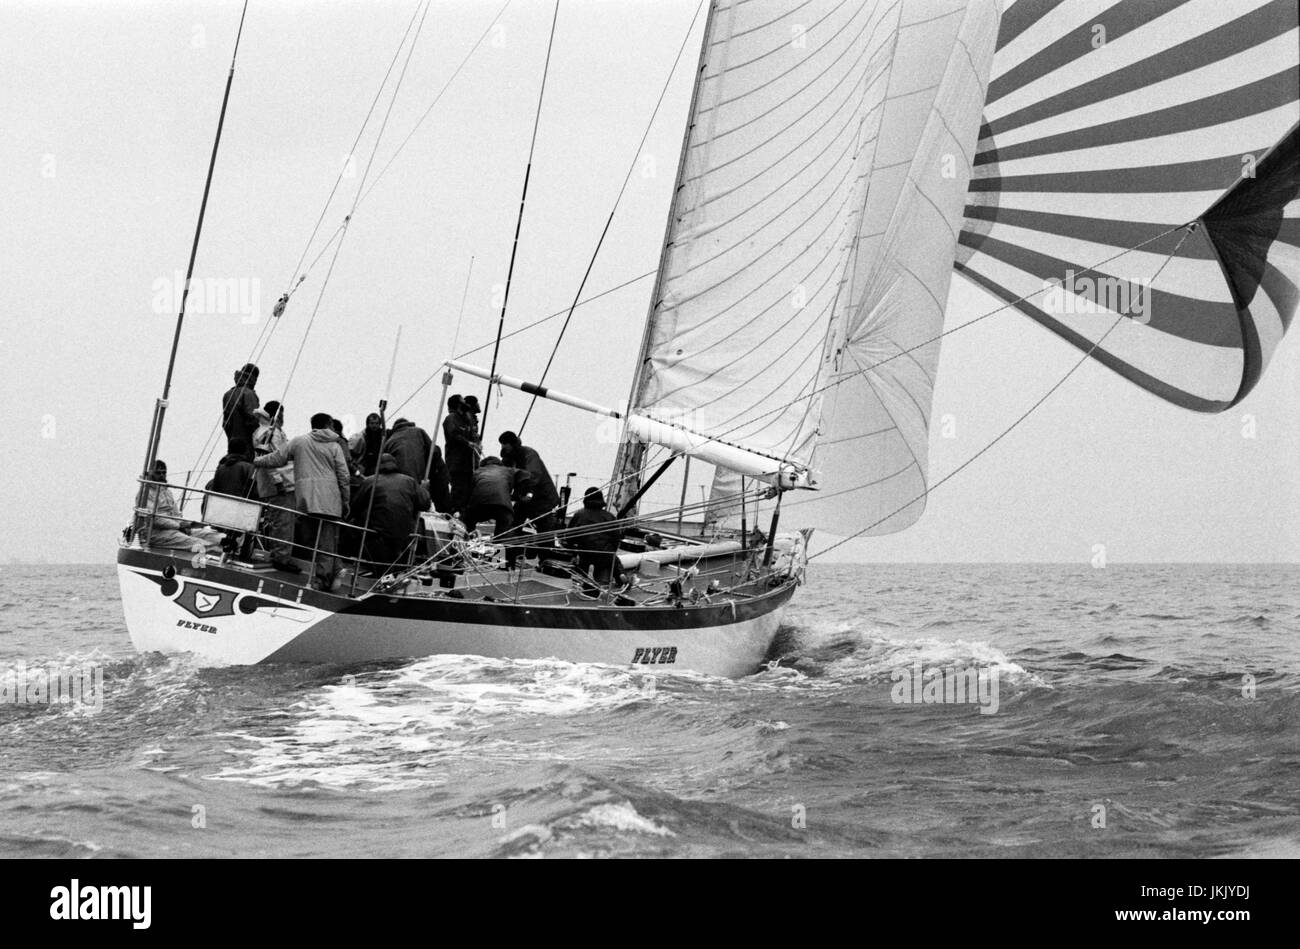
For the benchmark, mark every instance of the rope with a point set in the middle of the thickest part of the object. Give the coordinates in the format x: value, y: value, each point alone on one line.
x: 609, y: 220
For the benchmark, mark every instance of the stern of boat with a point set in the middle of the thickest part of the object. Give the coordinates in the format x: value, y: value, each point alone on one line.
x: 177, y: 604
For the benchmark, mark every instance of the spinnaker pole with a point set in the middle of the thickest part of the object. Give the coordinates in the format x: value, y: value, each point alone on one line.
x: 160, y: 406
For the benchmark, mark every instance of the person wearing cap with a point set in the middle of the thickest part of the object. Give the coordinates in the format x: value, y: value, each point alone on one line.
x: 542, y: 509
x: 239, y: 405
x: 275, y: 487
x: 392, y: 501
x: 596, y: 545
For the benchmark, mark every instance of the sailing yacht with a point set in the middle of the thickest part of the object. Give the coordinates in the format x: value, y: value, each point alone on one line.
x: 840, y: 161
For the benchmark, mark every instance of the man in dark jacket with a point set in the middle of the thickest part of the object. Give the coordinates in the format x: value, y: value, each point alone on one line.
x: 235, y: 477
x: 235, y: 472
x: 238, y: 406
x: 492, y: 498
x: 463, y: 447
x: 394, y: 512
x: 438, y: 483
x: 597, y: 546
x: 410, y: 446
x: 543, y: 507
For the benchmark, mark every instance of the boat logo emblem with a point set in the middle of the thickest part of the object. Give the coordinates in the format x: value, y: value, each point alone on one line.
x: 206, y: 602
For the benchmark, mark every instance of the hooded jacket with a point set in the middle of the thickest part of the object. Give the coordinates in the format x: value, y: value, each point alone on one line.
x: 320, y: 472
x: 410, y: 446
x: 398, y: 501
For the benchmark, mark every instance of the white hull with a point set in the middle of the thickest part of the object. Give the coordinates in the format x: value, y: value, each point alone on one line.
x: 195, y: 612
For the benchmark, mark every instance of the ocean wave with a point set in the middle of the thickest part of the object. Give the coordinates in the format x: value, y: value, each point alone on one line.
x: 397, y: 729
x: 844, y: 655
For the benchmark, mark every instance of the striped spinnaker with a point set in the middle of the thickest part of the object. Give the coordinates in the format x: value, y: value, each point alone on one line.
x: 1108, y: 127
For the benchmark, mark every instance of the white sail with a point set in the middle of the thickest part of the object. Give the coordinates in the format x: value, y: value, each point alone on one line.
x: 819, y: 137
x: 872, y: 455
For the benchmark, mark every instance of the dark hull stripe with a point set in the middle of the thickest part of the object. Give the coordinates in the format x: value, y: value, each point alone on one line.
x: 446, y: 610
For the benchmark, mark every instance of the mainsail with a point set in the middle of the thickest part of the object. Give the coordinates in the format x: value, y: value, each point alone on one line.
x: 1110, y: 125
x: 812, y: 233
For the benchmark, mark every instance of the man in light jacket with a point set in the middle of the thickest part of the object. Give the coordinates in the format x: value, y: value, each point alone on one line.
x: 275, y: 486
x: 322, y: 484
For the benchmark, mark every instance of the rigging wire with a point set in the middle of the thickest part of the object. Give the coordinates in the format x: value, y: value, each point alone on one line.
x: 519, y: 220
x: 523, y: 329
x: 672, y: 71
x: 268, y: 327
x: 948, y: 332
x: 1188, y: 229
x: 379, y: 137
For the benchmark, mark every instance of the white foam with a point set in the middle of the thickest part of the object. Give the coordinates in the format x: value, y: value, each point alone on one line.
x: 397, y: 729
x: 621, y: 817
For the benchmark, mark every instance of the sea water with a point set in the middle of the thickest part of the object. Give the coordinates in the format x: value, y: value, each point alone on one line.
x: 1134, y: 710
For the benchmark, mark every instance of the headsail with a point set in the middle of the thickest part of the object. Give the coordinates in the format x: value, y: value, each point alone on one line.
x: 1107, y: 126
x: 874, y: 448
x: 800, y: 172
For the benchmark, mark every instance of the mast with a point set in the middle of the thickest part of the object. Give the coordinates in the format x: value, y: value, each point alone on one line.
x: 625, y: 480
x: 160, y: 406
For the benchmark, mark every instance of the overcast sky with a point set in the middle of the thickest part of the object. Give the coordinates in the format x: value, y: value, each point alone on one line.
x: 108, y: 112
